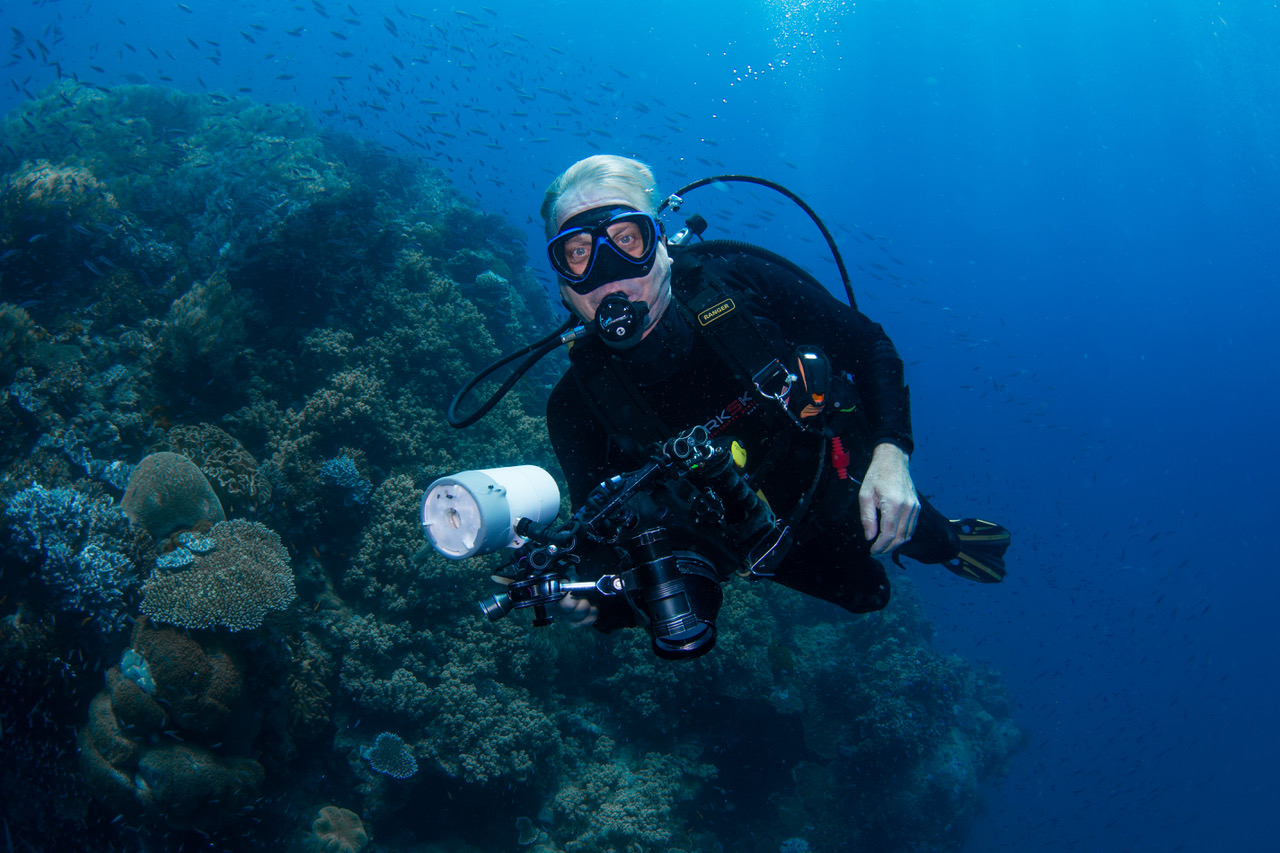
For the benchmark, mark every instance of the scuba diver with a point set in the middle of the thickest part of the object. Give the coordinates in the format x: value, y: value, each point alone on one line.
x: 722, y: 414
x: 809, y: 391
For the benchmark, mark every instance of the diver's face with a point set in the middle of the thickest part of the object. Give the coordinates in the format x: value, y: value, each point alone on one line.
x: 653, y: 289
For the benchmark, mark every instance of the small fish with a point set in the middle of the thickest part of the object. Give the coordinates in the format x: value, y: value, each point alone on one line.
x: 91, y: 268
x: 12, y: 253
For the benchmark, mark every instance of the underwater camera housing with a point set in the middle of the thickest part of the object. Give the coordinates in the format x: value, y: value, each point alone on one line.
x: 663, y: 537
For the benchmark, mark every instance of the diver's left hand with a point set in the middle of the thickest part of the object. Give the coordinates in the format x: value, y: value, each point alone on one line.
x: 888, y: 500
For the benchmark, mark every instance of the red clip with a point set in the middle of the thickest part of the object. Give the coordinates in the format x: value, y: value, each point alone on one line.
x: 839, y: 458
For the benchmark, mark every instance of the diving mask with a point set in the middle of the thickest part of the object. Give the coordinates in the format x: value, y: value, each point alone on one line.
x: 604, y: 245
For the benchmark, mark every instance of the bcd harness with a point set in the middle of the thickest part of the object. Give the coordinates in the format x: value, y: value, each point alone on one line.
x: 823, y: 408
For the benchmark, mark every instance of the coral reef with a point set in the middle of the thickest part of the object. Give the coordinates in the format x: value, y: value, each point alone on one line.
x: 268, y: 321
x: 232, y: 579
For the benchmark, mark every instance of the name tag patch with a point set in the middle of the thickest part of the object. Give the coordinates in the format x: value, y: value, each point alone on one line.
x: 715, y: 312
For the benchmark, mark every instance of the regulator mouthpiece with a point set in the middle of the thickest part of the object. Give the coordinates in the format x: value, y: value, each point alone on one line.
x: 475, y: 512
x: 620, y: 321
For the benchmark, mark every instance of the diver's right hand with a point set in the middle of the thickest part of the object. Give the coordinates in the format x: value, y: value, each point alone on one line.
x: 577, y: 612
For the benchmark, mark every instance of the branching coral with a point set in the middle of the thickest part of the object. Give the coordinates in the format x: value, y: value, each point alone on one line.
x: 17, y: 338
x: 383, y: 569
x: 205, y: 331
x: 84, y: 548
x: 341, y: 474
x: 624, y: 801
x: 42, y: 193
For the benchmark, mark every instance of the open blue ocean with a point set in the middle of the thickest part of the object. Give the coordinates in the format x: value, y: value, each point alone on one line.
x: 262, y: 244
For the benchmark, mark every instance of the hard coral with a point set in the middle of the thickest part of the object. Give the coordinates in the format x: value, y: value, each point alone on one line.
x: 200, y: 686
x: 167, y: 492
x: 390, y: 756
x: 232, y: 471
x: 245, y: 575
x: 338, y: 830
x: 17, y: 338
x: 83, y: 547
x: 169, y: 682
x: 44, y: 190
x: 205, y: 330
x: 625, y: 802
x: 193, y: 787
x: 108, y: 757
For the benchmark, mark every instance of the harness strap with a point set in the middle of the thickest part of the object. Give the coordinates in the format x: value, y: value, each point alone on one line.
x: 724, y: 318
x: 730, y: 328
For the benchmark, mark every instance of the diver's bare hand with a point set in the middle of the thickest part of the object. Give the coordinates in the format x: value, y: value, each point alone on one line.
x: 577, y: 612
x: 887, y: 500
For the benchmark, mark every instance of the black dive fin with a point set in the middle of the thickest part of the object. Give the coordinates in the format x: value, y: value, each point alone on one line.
x: 982, y: 547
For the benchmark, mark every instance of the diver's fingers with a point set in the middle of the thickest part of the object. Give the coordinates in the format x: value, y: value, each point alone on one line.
x: 578, y: 612
x: 897, y: 523
x: 889, y: 525
x: 915, y: 519
x: 867, y: 508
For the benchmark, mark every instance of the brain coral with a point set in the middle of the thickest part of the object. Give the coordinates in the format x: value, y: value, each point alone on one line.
x: 232, y: 471
x: 233, y: 585
x: 168, y: 492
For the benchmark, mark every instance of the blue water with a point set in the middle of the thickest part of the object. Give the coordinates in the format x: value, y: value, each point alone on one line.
x: 1080, y: 202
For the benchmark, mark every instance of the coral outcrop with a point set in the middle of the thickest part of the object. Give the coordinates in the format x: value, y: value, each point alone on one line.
x: 169, y: 734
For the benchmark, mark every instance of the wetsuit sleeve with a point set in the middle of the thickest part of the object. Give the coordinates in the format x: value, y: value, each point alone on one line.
x: 807, y: 313
x: 580, y: 442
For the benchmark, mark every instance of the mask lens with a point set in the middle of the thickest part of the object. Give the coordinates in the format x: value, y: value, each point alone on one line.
x: 629, y: 237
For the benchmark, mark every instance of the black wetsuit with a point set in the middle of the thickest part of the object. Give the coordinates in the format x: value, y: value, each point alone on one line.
x: 684, y: 382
